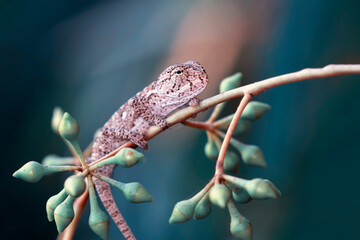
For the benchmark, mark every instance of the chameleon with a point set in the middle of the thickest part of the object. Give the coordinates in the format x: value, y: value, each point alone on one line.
x: 177, y: 86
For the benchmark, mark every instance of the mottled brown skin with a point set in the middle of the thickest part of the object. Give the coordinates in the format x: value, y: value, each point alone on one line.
x: 176, y: 86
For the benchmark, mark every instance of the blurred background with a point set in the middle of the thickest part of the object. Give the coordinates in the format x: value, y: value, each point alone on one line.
x: 90, y: 56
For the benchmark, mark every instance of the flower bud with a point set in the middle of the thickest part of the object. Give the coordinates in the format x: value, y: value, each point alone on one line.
x: 31, y: 172
x: 183, y: 211
x: 211, y: 150
x: 242, y: 126
x: 230, y: 82
x: 239, y: 193
x: 53, y: 202
x: 98, y: 220
x: 126, y: 157
x: 203, y: 208
x: 75, y: 185
x: 219, y: 195
x: 64, y: 214
x: 56, y: 119
x: 231, y: 162
x: 136, y: 193
x: 68, y: 127
x: 240, y: 227
x: 250, y: 154
x: 254, y: 110
x: 262, y: 189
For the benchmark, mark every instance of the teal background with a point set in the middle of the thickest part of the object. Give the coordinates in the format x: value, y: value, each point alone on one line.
x: 310, y: 138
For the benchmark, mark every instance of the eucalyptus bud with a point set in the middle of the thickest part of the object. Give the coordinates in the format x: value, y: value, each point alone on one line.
x: 53, y: 202
x: 254, y: 110
x: 231, y: 162
x: 242, y: 126
x: 240, y: 227
x: 211, y: 150
x: 219, y: 195
x: 98, y: 220
x: 136, y: 193
x: 239, y: 194
x: 183, y: 211
x: 68, y: 127
x: 203, y: 208
x: 230, y: 82
x: 250, y: 154
x: 31, y: 172
x: 126, y: 157
x: 56, y: 119
x: 64, y: 214
x: 262, y: 189
x: 75, y: 186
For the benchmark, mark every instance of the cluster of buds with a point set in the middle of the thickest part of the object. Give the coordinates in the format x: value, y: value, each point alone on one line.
x: 60, y: 207
x: 222, y: 195
x: 249, y: 154
x: 223, y: 190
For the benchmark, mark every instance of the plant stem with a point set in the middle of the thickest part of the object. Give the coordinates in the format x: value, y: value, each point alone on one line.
x: 200, y: 125
x: 220, y: 161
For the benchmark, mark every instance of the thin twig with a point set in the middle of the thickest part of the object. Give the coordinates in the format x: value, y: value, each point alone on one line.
x: 199, y: 125
x: 220, y: 161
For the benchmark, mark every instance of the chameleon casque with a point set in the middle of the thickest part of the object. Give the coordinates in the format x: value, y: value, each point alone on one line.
x: 177, y: 85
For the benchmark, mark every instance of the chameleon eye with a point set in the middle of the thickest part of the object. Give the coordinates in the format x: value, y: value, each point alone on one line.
x: 179, y: 72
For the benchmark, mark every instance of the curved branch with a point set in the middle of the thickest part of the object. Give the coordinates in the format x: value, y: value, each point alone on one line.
x: 252, y: 89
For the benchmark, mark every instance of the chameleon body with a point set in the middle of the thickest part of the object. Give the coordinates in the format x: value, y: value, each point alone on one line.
x: 176, y: 86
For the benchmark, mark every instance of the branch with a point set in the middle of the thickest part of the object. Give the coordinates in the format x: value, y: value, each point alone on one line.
x: 220, y: 161
x: 252, y: 89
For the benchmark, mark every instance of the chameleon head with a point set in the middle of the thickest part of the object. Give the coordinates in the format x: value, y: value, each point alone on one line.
x: 182, y: 81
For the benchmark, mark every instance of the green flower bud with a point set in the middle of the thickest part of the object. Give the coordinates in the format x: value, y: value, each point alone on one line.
x: 219, y: 195
x: 75, y: 185
x: 64, y: 214
x: 53, y: 202
x: 183, y: 211
x: 203, y: 208
x: 34, y: 171
x: 136, y: 193
x: 262, y: 189
x: 98, y: 220
x: 211, y: 150
x: 231, y: 162
x: 56, y: 119
x: 126, y: 157
x: 68, y: 127
x: 254, y: 110
x: 250, y: 154
x: 31, y: 172
x: 230, y: 82
x: 242, y: 126
x: 239, y: 194
x: 240, y: 227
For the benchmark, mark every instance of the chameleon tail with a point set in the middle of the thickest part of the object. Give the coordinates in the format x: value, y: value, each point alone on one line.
x: 106, y: 197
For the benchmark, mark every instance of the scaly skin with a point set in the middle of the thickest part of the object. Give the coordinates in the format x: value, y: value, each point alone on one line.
x: 176, y: 86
